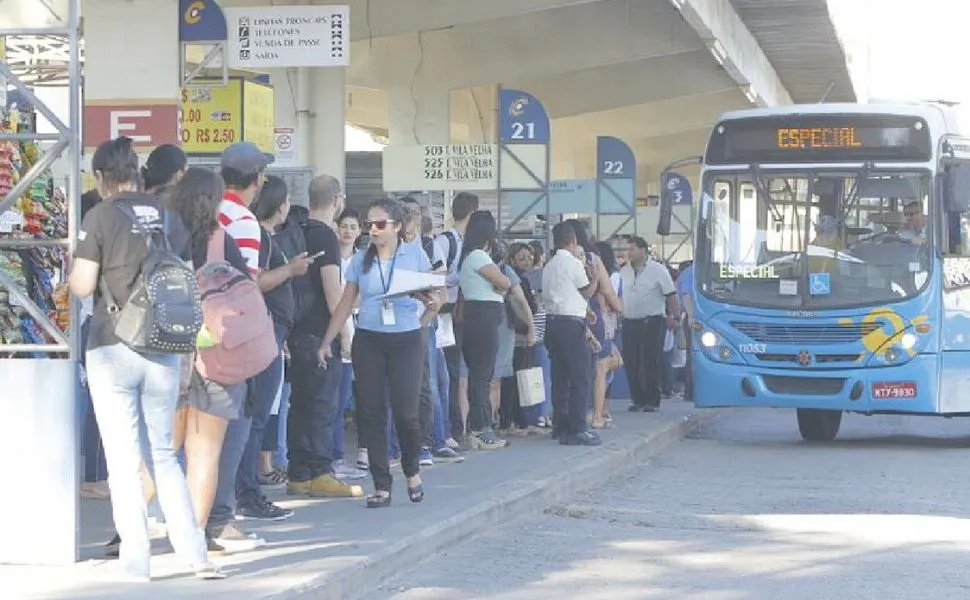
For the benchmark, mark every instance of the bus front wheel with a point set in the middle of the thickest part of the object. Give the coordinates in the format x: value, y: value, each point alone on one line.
x: 819, y: 425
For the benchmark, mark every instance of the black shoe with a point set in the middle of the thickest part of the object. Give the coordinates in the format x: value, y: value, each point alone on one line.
x: 113, y: 548
x: 262, y: 510
x: 586, y: 438
x: 213, y: 547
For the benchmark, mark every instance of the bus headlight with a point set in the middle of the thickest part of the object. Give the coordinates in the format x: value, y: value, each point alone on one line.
x: 908, y: 341
x: 708, y: 339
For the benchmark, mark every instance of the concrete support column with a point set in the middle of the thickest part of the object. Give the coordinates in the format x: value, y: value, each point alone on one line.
x: 328, y: 111
x: 475, y: 114
x: 419, y: 116
x: 136, y: 94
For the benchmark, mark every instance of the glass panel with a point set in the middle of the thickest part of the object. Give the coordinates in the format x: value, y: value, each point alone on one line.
x: 818, y: 239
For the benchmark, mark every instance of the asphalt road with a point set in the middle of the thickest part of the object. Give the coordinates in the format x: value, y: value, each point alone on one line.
x: 741, y: 510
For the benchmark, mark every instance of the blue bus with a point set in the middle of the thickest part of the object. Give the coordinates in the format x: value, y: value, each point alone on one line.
x: 832, y: 264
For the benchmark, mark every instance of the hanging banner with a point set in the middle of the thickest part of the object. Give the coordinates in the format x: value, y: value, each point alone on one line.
x: 674, y: 190
x: 677, y: 187
x: 524, y: 136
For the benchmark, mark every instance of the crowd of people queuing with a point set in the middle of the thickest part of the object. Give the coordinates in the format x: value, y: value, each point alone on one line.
x: 428, y: 377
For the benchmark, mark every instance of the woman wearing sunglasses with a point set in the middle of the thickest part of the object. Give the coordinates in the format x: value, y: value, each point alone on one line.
x: 387, y: 351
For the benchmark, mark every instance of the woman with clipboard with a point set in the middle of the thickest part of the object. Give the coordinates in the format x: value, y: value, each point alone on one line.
x: 387, y: 347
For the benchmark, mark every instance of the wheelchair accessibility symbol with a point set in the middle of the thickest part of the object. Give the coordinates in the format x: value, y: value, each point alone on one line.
x: 819, y: 284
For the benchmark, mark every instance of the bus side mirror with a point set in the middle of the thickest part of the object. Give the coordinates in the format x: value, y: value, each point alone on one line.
x: 956, y: 187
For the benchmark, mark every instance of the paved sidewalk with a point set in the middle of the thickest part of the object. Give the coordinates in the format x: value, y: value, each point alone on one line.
x: 337, y: 549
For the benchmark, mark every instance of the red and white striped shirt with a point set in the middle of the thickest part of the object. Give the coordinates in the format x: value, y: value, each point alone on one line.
x: 241, y: 225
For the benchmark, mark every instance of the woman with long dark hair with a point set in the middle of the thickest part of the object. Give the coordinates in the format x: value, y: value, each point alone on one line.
x: 388, y: 348
x: 134, y: 392
x: 609, y: 357
x: 483, y: 288
x: 271, y: 208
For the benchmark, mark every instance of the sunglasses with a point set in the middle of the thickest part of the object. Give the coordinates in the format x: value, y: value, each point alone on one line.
x: 380, y: 224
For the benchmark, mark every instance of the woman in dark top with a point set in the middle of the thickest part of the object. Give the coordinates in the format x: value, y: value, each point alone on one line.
x: 133, y: 392
x: 271, y: 208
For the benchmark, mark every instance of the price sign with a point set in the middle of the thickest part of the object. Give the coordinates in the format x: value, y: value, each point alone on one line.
x: 214, y: 117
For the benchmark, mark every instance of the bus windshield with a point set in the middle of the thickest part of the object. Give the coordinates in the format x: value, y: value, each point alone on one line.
x: 814, y: 239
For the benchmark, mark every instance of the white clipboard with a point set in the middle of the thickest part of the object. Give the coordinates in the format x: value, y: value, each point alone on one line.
x: 404, y: 283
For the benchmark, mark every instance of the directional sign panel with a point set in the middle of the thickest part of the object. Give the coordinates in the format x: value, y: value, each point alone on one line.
x: 440, y: 167
x: 288, y: 36
x: 614, y: 159
x: 524, y: 135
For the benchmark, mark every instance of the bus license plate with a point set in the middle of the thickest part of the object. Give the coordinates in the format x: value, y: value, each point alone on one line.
x: 899, y: 390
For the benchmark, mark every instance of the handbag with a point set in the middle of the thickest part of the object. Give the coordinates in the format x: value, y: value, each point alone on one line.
x: 531, y: 385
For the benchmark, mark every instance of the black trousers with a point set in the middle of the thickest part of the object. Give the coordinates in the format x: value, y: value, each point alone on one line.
x: 453, y: 362
x: 688, y: 373
x: 571, y: 381
x: 389, y: 366
x: 511, y: 410
x: 643, y: 342
x: 480, y: 324
x: 314, y: 397
x: 425, y: 408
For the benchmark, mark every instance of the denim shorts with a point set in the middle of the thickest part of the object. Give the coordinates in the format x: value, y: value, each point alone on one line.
x: 216, y: 399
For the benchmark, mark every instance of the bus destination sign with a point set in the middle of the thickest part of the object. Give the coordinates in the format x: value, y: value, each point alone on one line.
x: 819, y: 138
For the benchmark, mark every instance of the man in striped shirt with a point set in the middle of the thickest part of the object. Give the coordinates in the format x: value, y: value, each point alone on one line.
x: 244, y: 171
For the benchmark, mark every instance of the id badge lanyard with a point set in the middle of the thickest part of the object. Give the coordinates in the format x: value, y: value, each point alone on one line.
x: 387, y: 307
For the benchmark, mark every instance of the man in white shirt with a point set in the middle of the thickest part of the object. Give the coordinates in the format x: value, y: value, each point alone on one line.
x: 566, y: 290
x: 450, y: 244
x: 649, y: 310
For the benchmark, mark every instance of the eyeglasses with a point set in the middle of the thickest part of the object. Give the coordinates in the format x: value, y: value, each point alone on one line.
x: 380, y: 224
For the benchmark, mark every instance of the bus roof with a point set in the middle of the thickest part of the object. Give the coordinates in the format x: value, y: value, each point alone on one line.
x: 942, y: 119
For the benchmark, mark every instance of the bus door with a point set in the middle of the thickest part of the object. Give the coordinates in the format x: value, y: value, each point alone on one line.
x: 953, y: 225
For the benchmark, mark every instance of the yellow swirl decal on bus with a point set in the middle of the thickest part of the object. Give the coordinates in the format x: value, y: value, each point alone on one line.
x: 891, y: 325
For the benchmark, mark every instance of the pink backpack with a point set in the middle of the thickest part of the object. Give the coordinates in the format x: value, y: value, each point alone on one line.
x: 234, y: 312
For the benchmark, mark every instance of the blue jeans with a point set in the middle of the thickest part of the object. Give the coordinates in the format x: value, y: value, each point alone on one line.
x: 346, y: 393
x: 95, y: 467
x: 233, y: 446
x: 265, y: 385
x: 440, y: 389
x: 279, y: 459
x: 134, y: 398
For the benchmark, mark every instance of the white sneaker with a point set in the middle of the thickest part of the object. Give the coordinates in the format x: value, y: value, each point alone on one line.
x: 453, y: 444
x: 344, y: 472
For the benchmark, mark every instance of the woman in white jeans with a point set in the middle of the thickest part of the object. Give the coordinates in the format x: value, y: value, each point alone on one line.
x: 134, y: 394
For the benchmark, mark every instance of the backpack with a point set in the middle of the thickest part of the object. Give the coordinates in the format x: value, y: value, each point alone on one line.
x: 236, y: 319
x: 428, y: 244
x: 292, y: 241
x: 163, y: 313
x: 452, y: 248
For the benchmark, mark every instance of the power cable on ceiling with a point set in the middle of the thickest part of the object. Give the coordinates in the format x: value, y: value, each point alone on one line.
x: 414, y: 78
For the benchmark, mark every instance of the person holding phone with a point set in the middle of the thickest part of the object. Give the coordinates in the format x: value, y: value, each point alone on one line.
x: 388, y: 346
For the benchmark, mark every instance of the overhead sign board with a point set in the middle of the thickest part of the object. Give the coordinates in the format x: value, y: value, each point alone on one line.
x: 440, y: 167
x: 288, y: 36
x: 148, y: 123
x: 215, y: 116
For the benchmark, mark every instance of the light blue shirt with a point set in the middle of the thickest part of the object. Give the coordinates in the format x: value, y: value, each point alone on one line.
x: 409, y: 257
x: 685, y: 282
x: 473, y: 285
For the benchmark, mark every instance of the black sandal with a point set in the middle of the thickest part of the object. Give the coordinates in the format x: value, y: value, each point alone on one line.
x: 416, y: 493
x: 379, y: 500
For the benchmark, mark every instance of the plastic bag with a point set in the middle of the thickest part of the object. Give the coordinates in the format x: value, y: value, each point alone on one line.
x: 668, y: 341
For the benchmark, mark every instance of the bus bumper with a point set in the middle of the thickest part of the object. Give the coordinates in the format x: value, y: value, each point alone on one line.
x: 912, y: 387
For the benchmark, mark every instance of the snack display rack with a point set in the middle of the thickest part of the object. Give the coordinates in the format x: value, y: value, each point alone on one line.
x: 39, y: 213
